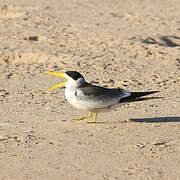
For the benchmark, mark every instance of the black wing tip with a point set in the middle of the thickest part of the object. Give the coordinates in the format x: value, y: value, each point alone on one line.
x: 154, y: 91
x: 144, y: 99
x: 147, y: 92
x: 139, y: 96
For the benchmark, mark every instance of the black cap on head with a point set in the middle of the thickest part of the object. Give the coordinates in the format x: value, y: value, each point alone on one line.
x: 74, y: 75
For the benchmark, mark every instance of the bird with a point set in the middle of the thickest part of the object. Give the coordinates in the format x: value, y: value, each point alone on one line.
x: 94, y: 99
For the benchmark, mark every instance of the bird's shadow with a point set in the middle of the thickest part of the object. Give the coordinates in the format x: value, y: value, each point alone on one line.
x: 168, y: 119
x: 166, y: 41
x: 157, y: 119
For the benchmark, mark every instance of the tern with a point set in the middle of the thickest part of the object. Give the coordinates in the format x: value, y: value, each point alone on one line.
x: 94, y: 99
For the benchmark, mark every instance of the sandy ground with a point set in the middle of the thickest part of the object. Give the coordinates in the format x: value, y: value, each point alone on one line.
x: 129, y: 44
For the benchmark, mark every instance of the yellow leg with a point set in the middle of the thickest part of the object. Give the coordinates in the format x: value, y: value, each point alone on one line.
x: 95, y: 117
x: 90, y: 114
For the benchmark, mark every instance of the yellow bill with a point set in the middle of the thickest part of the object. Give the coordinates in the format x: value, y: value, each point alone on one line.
x: 57, y: 74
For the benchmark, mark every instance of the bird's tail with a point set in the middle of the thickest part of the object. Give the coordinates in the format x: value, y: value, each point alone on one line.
x: 139, y: 96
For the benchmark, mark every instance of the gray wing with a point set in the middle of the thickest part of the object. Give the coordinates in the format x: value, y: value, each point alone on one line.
x: 96, y: 93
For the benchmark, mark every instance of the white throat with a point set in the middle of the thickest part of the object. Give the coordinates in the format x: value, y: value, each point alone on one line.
x: 71, y: 89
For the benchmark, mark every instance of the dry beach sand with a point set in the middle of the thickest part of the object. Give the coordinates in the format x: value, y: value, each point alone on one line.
x: 133, y: 44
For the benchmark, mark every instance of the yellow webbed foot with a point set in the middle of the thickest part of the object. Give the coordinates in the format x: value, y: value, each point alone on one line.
x: 84, y: 117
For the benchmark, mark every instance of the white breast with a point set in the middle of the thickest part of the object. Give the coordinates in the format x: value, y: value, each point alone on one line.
x: 70, y: 94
